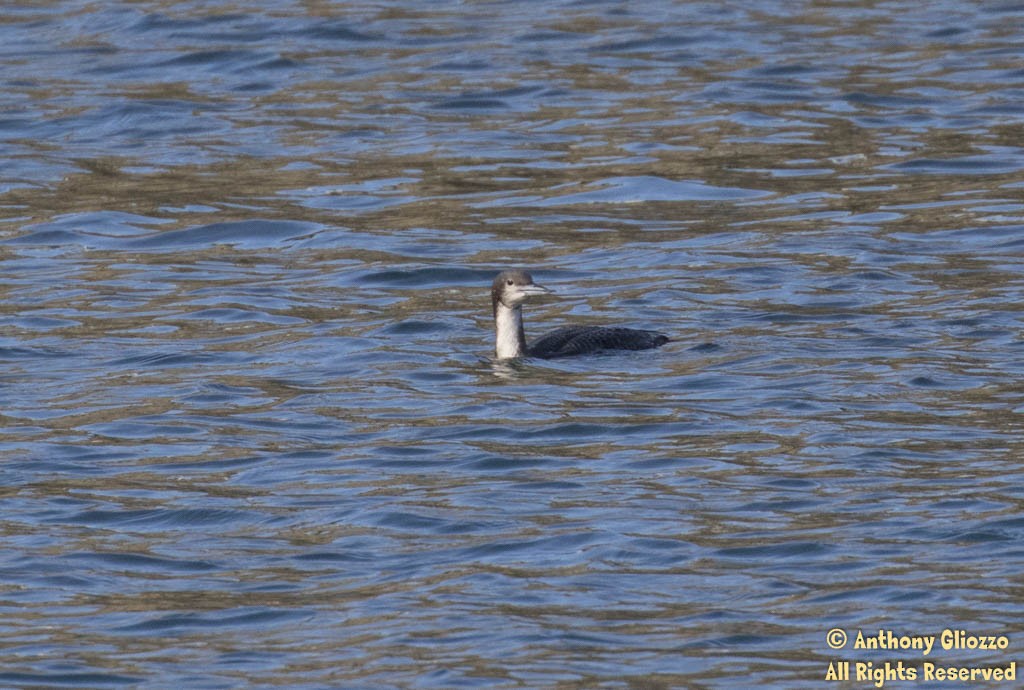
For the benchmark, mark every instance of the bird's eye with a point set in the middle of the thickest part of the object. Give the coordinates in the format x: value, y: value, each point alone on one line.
x: 509, y: 281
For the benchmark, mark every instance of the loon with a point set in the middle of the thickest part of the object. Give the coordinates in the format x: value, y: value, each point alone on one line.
x: 508, y: 292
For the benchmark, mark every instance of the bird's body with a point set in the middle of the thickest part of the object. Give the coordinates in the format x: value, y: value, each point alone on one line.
x: 508, y: 293
x: 579, y: 340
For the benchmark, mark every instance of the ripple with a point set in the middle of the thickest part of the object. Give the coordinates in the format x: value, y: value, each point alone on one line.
x: 648, y: 188
x: 964, y: 165
x: 154, y: 519
x: 140, y: 563
x: 181, y: 622
x: 249, y: 234
x: 69, y: 678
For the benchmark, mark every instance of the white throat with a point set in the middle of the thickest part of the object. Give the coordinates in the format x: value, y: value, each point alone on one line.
x: 508, y: 327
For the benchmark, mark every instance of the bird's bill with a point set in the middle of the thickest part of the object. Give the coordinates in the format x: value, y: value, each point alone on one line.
x: 530, y: 290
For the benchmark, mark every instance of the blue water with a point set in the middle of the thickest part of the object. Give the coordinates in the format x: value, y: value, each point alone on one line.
x: 252, y: 431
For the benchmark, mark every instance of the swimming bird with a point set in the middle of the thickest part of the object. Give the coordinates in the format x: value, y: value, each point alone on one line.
x: 508, y: 293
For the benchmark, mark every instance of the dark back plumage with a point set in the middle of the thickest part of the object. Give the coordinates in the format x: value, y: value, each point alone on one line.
x: 578, y: 340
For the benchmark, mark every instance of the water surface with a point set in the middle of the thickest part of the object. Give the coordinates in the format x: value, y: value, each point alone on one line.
x: 252, y: 434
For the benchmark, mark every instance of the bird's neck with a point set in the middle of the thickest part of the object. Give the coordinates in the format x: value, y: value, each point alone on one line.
x: 510, y: 339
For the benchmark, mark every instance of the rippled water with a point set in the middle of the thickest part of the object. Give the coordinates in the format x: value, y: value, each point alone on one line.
x: 252, y: 434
